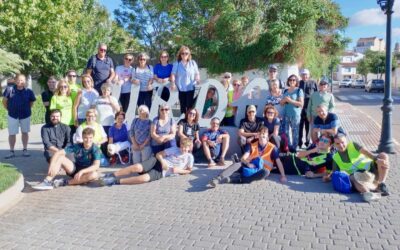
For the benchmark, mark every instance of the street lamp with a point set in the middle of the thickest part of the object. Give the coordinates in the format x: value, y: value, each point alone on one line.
x: 386, y: 143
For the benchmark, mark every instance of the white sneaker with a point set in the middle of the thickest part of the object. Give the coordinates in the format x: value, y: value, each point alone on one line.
x: 25, y: 153
x: 44, y: 185
x: 369, y: 196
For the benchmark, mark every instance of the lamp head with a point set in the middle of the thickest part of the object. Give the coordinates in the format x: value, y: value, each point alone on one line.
x: 383, y: 4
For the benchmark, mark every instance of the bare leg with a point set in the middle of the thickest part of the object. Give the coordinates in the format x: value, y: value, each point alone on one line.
x: 206, y: 150
x: 85, y: 178
x: 360, y: 188
x: 225, y: 146
x: 25, y: 138
x: 135, y: 180
x: 11, y: 141
x: 135, y: 168
x: 61, y: 162
x: 383, y: 167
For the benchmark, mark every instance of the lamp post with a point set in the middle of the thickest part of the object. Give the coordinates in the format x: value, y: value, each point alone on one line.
x: 386, y: 142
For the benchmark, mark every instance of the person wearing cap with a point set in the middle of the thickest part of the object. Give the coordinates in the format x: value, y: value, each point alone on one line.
x: 229, y: 117
x: 140, y: 135
x: 273, y: 75
x: 308, y: 86
x: 322, y: 96
x: 255, y: 153
x: 351, y: 158
x: 249, y: 127
x: 215, y: 143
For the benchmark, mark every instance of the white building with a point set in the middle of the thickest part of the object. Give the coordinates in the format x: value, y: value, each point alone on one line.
x: 369, y: 43
x: 347, y: 69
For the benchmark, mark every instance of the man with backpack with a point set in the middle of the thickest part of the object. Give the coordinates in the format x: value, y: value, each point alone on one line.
x: 100, y: 67
x: 272, y: 75
x: 360, y: 165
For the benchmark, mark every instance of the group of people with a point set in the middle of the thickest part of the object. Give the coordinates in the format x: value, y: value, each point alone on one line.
x: 88, y: 123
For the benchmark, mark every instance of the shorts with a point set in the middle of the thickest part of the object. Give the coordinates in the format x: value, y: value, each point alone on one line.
x: 77, y: 168
x: 14, y: 124
x: 152, y: 167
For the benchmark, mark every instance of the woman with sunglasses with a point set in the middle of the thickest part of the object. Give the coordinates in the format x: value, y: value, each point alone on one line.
x: 162, y: 73
x: 47, y: 95
x: 73, y: 86
x: 293, y: 101
x: 143, y: 75
x: 163, y: 130
x: 85, y: 99
x: 123, y: 76
x: 189, y: 128
x: 313, y: 162
x: 185, y: 75
x: 272, y: 123
x: 62, y: 101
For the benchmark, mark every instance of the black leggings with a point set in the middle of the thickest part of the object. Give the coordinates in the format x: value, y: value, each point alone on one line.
x: 186, y: 100
x: 124, y: 99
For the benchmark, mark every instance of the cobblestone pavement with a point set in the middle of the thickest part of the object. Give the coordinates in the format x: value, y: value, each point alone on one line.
x: 182, y: 213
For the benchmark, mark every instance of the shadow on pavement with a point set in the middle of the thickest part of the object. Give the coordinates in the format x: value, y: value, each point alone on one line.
x: 203, y: 176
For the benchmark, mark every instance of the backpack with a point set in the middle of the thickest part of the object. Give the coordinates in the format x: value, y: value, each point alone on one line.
x: 259, y: 165
x: 341, y: 182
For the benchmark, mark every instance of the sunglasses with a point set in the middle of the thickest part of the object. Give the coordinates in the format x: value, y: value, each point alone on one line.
x: 128, y: 59
x: 185, y: 53
x: 142, y: 59
x: 324, y: 140
x: 292, y: 80
x: 164, y: 109
x: 270, y: 113
x: 103, y: 50
x: 236, y: 85
x: 192, y: 113
x: 71, y: 75
x: 227, y: 77
x: 251, y: 111
x: 163, y: 56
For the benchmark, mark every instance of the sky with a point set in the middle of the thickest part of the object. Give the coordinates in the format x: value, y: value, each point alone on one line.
x: 366, y: 19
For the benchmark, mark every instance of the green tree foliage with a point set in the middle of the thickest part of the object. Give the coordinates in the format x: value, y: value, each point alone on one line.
x: 57, y: 35
x: 9, y: 62
x: 373, y: 62
x: 239, y: 35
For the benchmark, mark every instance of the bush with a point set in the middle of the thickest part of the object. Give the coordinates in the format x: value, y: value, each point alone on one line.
x: 38, y: 112
x: 8, y: 176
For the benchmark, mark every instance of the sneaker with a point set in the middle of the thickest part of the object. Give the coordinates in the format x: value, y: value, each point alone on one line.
x: 60, y: 183
x: 10, y: 155
x: 108, y: 181
x: 235, y: 158
x: 213, y: 182
x: 125, y: 159
x: 369, y: 196
x: 383, y: 189
x: 44, y: 185
x: 113, y: 160
x: 25, y: 153
x: 211, y: 163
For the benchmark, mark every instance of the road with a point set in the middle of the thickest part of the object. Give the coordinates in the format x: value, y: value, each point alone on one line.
x: 370, y: 104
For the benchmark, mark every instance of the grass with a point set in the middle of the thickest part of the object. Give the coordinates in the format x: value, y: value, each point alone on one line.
x: 8, y: 176
x: 37, y: 117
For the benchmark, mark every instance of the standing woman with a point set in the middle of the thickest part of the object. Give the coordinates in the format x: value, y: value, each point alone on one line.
x: 163, y: 130
x: 62, y: 100
x: 162, y: 73
x: 293, y: 100
x: 189, y: 128
x: 123, y: 76
x: 143, y: 75
x: 140, y: 135
x: 274, y: 98
x: 229, y: 118
x: 84, y: 100
x: 185, y: 74
x: 106, y: 106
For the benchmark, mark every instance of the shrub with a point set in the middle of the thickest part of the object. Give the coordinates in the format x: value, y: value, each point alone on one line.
x: 8, y: 176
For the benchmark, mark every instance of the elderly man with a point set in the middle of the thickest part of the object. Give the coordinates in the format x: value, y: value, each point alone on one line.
x: 215, y: 144
x: 354, y: 159
x: 309, y: 87
x: 100, y: 67
x: 55, y: 135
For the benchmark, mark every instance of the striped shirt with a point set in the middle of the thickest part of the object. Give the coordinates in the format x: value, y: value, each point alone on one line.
x: 143, y: 75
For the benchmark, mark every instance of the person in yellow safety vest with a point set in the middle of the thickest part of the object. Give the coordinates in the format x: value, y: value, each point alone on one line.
x: 263, y: 149
x: 352, y: 157
x: 313, y: 162
x: 229, y: 117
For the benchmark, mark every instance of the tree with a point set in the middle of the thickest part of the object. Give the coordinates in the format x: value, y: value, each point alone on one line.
x: 373, y: 62
x: 10, y: 62
x: 57, y: 35
x: 239, y: 35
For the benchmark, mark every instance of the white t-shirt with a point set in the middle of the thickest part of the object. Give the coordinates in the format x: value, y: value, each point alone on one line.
x: 105, y: 111
x: 176, y: 159
x: 87, y: 101
x: 143, y: 75
x: 124, y: 75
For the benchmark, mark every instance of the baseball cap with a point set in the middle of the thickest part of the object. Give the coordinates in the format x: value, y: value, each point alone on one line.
x: 305, y: 72
x: 251, y: 108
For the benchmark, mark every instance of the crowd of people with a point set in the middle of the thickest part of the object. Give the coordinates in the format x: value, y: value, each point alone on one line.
x: 86, y: 127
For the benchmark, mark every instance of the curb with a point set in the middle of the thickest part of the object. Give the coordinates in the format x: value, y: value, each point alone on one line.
x: 12, y: 195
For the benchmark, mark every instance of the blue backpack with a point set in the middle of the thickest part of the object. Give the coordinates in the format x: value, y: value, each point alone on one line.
x: 259, y: 165
x: 341, y: 182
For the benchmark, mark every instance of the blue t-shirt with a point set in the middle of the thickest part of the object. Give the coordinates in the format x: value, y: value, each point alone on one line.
x: 140, y: 130
x: 84, y: 157
x: 290, y: 109
x: 19, y: 102
x: 331, y: 121
x: 212, y: 135
x: 162, y: 130
x: 185, y: 75
x: 118, y: 135
x: 162, y: 71
x: 271, y: 125
x: 274, y: 153
x: 101, y: 69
